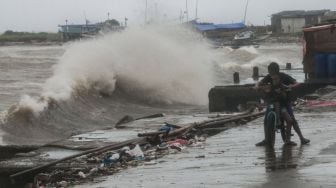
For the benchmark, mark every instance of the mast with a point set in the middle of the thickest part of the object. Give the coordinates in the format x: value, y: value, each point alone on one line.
x: 146, y: 12
x: 186, y: 11
x: 246, y: 11
x: 156, y: 11
x: 196, y: 16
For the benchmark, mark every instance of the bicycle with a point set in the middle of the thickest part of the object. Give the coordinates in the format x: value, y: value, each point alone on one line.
x: 273, y: 122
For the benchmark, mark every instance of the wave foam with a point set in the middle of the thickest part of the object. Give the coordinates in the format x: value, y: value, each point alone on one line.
x: 156, y: 63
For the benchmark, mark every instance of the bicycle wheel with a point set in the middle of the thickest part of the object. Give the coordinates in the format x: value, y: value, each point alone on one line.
x: 270, y: 129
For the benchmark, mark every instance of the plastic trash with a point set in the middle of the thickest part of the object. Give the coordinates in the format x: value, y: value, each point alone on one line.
x: 167, y: 127
x: 62, y: 184
x: 125, y: 148
x: 178, y: 141
x: 110, y: 159
x: 176, y: 146
x: 162, y: 146
x: 137, y: 153
x: 200, y: 138
x: 81, y: 174
x: 92, y: 171
x: 115, y: 156
x: 147, y: 147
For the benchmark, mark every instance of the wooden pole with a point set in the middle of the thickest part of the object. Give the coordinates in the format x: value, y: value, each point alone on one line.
x: 229, y: 120
x: 288, y: 66
x: 236, y: 78
x: 255, y: 74
x: 101, y: 149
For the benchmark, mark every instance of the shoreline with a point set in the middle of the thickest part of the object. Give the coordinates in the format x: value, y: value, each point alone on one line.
x: 48, y: 43
x: 283, y: 39
x: 270, y: 40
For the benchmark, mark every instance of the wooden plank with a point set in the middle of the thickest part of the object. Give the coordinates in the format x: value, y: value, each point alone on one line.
x: 152, y: 133
x: 236, y: 118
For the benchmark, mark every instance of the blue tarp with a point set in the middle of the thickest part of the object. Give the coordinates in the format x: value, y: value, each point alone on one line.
x: 211, y: 26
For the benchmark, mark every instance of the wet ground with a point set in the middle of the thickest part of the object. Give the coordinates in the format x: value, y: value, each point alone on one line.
x: 230, y: 159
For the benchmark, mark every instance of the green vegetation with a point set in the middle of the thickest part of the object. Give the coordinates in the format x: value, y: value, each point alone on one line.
x: 112, y: 22
x: 12, y: 36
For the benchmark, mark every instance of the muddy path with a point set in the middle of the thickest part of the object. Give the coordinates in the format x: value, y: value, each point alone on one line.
x: 230, y: 159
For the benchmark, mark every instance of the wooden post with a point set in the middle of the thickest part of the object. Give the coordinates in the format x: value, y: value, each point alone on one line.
x: 236, y: 79
x: 255, y: 74
x: 288, y: 66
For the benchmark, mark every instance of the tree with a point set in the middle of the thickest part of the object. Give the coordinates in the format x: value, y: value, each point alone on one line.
x: 8, y: 32
x: 112, y: 22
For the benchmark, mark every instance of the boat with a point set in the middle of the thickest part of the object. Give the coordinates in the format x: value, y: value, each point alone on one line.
x: 245, y: 38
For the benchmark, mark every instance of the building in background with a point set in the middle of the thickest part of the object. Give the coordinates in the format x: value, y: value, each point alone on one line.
x: 78, y: 31
x: 294, y: 21
x: 218, y: 31
x: 329, y: 17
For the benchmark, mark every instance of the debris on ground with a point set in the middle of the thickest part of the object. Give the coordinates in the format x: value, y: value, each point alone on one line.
x: 88, y: 165
x: 84, y: 169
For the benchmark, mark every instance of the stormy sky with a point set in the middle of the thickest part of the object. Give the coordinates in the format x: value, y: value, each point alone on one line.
x: 46, y: 15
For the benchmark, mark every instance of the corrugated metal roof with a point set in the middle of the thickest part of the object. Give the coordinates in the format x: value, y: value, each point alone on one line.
x: 318, y: 28
x: 301, y: 13
x: 211, y: 26
x: 77, y: 28
x: 317, y: 12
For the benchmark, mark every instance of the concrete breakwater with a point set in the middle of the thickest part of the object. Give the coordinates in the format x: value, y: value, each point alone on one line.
x: 231, y: 98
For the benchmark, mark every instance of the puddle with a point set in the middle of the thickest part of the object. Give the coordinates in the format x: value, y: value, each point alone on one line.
x: 55, y: 153
x: 113, y: 135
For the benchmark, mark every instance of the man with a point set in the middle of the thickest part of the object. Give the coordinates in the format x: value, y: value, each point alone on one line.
x: 274, y: 75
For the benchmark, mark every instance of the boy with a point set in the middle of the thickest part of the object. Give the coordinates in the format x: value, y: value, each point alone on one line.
x: 275, y: 77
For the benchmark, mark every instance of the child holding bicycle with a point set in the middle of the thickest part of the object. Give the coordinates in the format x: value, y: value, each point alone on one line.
x: 280, y: 85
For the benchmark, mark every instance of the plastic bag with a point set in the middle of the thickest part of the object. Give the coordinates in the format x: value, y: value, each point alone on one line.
x: 137, y: 153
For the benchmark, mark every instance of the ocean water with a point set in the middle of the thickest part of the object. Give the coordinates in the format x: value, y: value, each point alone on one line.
x: 51, y: 92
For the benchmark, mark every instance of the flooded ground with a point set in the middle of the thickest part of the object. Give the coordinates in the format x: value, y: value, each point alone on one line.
x: 230, y: 159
